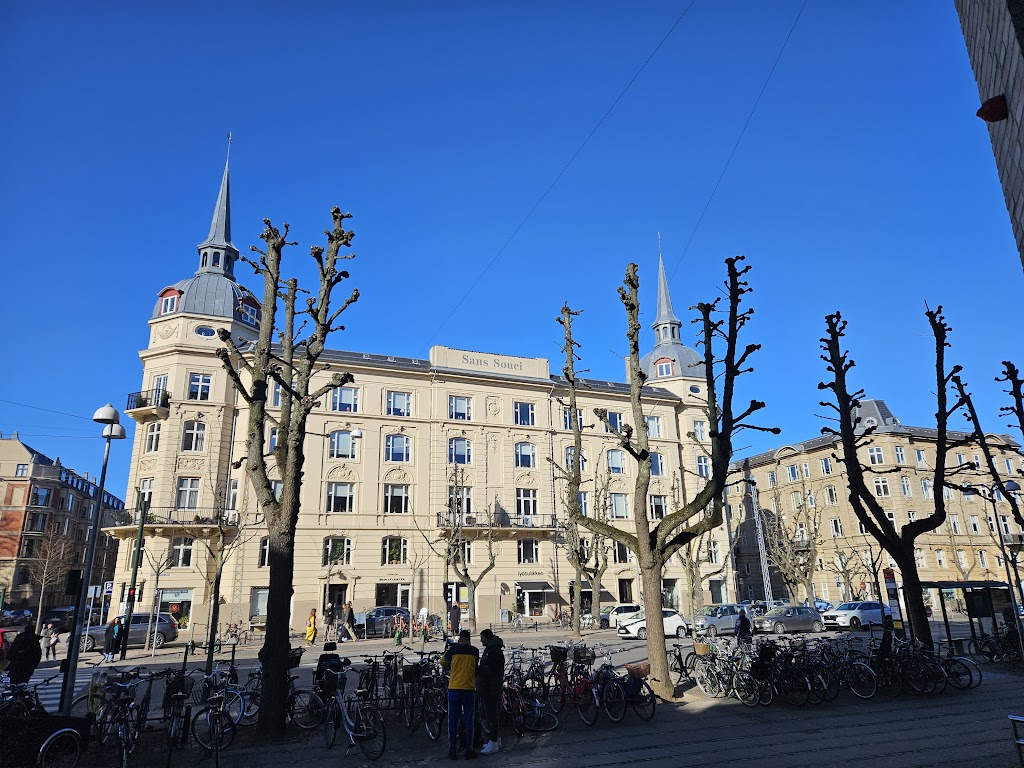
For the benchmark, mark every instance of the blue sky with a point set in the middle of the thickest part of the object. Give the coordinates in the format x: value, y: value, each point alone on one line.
x: 863, y: 182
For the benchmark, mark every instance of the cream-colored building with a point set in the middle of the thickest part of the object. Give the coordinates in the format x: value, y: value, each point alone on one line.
x: 804, y: 486
x: 379, y: 457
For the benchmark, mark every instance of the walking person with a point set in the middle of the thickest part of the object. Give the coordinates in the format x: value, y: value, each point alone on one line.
x: 350, y: 620
x: 454, y: 619
x: 743, y: 629
x: 112, y: 639
x: 489, y: 678
x: 462, y: 659
x: 50, y: 640
x: 47, y: 634
x: 311, y: 628
x: 329, y: 622
x: 24, y: 655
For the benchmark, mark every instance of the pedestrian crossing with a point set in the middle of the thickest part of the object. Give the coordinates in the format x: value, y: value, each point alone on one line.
x: 49, y: 694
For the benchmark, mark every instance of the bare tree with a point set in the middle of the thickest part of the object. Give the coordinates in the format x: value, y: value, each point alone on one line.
x: 48, y: 564
x: 598, y: 546
x: 291, y: 364
x: 158, y: 564
x: 695, y: 558
x: 792, y: 541
x: 654, y: 545
x: 901, y: 543
x: 849, y: 566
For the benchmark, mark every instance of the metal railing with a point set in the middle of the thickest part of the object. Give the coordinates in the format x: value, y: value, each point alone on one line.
x: 179, y: 516
x: 149, y: 398
x: 501, y: 520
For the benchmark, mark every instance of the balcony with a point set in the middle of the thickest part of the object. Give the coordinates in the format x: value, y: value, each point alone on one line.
x: 191, y: 521
x: 148, y: 403
x: 502, y: 522
x: 1013, y: 540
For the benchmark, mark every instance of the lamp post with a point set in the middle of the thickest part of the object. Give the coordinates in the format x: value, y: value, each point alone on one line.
x: 113, y: 430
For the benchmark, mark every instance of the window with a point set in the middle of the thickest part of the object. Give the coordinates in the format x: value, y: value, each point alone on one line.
x: 460, y: 501
x: 233, y: 494
x: 460, y: 408
x: 526, y: 455
x: 826, y: 466
x: 467, y: 552
x: 397, y: 448
x: 806, y: 469
x: 991, y: 524
x: 152, y: 437
x: 193, y: 437
x: 37, y: 522
x: 188, y: 493
x: 168, y: 304
x: 21, y: 470
x: 272, y: 439
x: 921, y: 461
x: 399, y: 404
x: 341, y: 497
x: 926, y: 489
x: 875, y: 456
x: 836, y: 527
x: 146, y: 491
x: 460, y: 451
x: 961, y: 558
x: 345, y: 399
x: 905, y: 485
x: 881, y: 487
x: 584, y: 505
x: 394, y: 551
x: 703, y: 466
x: 526, y: 505
x: 911, y: 515
x: 796, y: 500
x: 665, y: 368
x: 1009, y: 466
x: 658, y: 506
x: 523, y: 414
x: 618, y: 504
x: 954, y: 523
x: 974, y: 525
x: 657, y: 465
x: 713, y: 552
x: 263, y: 559
x: 940, y: 558
x: 791, y: 472
x: 1004, y: 524
x: 699, y: 431
x: 342, y: 445
x: 41, y: 497
x: 653, y: 426
x: 570, y: 451
x: 396, y: 499
x: 625, y: 590
x: 900, y: 458
x: 621, y: 553
x: 615, y: 420
x: 831, y: 497
x: 982, y: 558
x: 181, y: 553
x: 810, y: 499
x: 567, y: 417
x: 960, y: 459
x: 529, y: 551
x: 250, y: 315
x: 199, y: 386
x: 277, y: 488
x: 616, y: 462
x: 772, y: 481
x: 800, y: 531
x: 275, y: 395
x: 337, y: 550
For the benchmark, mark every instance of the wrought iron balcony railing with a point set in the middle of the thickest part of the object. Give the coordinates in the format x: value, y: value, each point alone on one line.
x: 149, y: 398
x: 501, y: 520
x: 205, y: 516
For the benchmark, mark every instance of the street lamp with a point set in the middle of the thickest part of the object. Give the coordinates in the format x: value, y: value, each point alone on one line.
x: 113, y: 430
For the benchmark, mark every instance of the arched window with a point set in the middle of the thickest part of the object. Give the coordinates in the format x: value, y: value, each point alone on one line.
x: 342, y: 445
x: 657, y: 465
x: 193, y: 437
x: 570, y: 450
x: 526, y: 455
x: 459, y: 451
x: 397, y: 448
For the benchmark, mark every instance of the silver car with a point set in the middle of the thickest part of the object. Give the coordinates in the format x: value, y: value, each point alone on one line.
x: 719, y: 619
x: 790, y: 618
x: 165, y: 631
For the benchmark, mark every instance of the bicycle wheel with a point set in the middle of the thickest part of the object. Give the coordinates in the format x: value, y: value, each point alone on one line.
x: 434, y: 713
x: 746, y: 688
x: 832, y: 683
x: 707, y: 680
x: 861, y: 680
x: 14, y: 708
x: 818, y: 687
x: 133, y: 727
x: 251, y: 713
x: 89, y: 705
x: 536, y: 718
x: 958, y: 674
x: 974, y: 669
x: 644, y: 702
x: 794, y: 687
x: 212, y: 730
x: 586, y: 702
x: 305, y: 709
x: 890, y: 681
x: 331, y: 723
x: 60, y: 750
x: 613, y: 699
x: 369, y: 731
x: 535, y: 689
x: 765, y: 692
x: 981, y: 650
x: 234, y: 705
x: 557, y: 694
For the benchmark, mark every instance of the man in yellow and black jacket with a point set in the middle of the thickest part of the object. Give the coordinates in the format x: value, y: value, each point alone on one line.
x: 461, y: 659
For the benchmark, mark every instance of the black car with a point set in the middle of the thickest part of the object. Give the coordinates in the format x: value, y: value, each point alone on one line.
x: 15, y: 617
x: 61, y: 618
x: 380, y: 621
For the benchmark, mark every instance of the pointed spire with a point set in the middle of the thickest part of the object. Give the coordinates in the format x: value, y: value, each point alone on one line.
x: 665, y: 313
x: 217, y: 254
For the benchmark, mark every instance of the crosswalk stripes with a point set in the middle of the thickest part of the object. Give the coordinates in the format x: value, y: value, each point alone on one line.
x: 49, y: 694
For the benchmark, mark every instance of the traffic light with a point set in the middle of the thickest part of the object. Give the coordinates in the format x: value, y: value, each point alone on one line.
x: 131, y: 595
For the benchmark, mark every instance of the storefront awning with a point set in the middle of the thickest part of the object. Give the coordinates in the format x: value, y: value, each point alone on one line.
x: 534, y: 586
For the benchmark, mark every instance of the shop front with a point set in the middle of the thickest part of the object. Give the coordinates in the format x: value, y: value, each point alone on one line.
x: 178, y: 603
x: 532, y: 597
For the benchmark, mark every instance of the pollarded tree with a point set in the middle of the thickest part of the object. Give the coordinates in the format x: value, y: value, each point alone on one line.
x: 655, y: 542
x: 901, y: 544
x: 792, y: 540
x: 291, y: 363
x: 48, y: 563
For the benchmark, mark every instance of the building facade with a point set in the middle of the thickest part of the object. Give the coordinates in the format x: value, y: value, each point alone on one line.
x: 379, y: 494
x: 802, y: 496
x: 46, y: 513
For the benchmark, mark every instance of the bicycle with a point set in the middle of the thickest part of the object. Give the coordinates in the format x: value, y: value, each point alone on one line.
x: 363, y: 723
x: 212, y: 726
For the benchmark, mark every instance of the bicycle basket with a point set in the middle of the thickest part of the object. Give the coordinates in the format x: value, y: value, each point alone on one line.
x: 294, y: 657
x: 558, y: 654
x: 583, y: 655
x: 639, y: 671
x: 178, y: 684
x: 412, y: 673
x: 701, y: 649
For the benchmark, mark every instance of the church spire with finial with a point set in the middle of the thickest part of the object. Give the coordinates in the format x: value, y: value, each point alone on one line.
x: 666, y: 325
x: 217, y: 254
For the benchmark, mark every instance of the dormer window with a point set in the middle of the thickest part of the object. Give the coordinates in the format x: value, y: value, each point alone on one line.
x: 664, y: 368
x: 249, y: 314
x: 169, y: 301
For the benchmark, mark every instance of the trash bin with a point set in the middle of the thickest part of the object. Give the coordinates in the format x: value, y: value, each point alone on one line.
x: 506, y: 617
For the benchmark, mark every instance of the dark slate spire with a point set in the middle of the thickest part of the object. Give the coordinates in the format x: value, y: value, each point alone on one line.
x: 217, y: 254
x: 666, y: 325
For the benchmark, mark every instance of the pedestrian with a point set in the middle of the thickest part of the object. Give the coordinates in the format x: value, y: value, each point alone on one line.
x: 489, y: 678
x: 454, y: 619
x: 50, y: 643
x: 24, y: 655
x: 311, y: 628
x: 112, y: 639
x: 743, y: 630
x: 329, y: 622
x: 47, y: 634
x: 350, y: 620
x: 462, y: 659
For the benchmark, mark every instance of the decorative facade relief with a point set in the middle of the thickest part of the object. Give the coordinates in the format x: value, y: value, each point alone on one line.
x: 342, y: 472
x: 190, y: 463
x: 167, y: 330
x: 494, y: 408
x: 397, y: 475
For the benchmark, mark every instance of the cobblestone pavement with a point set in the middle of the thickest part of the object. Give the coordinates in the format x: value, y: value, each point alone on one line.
x: 962, y: 728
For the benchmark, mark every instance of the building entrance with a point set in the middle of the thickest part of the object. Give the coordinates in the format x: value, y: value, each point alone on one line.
x: 393, y: 594
x: 337, y: 594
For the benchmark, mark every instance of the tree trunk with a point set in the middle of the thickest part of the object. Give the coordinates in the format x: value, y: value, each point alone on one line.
x: 39, y: 610
x: 214, y: 614
x: 471, y: 594
x: 276, y: 645
x: 661, y: 677
x: 577, y: 601
x: 914, y: 598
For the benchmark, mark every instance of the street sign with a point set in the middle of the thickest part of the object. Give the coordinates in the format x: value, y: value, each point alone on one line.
x: 94, y: 592
x: 108, y: 587
x: 892, y: 594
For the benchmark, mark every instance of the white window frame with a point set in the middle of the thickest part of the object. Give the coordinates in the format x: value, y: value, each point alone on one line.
x: 152, y: 437
x: 657, y: 506
x: 193, y: 436
x: 460, y: 450
x: 399, y: 403
x: 615, y: 460
x: 525, y: 455
x: 181, y: 552
x: 882, y: 487
x: 900, y: 458
x: 187, y: 491
x: 528, y: 551
x: 200, y: 386
x: 699, y: 431
x: 526, y: 506
x: 386, y: 551
x: 340, y: 498
x: 826, y: 466
x: 397, y: 448
x: 524, y: 414
x: 336, y: 448
x: 397, y: 498
x: 618, y: 506
x: 653, y: 426
x: 345, y: 399
x: 703, y: 467
x: 657, y: 464
x: 570, y: 450
x: 876, y: 455
x: 460, y: 408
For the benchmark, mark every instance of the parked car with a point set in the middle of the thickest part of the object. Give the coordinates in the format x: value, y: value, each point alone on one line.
x: 61, y: 618
x: 165, y: 631
x: 612, y: 617
x: 15, y: 617
x: 855, y: 615
x: 790, y: 618
x: 637, y: 626
x: 380, y: 621
x: 719, y: 619
x: 7, y: 635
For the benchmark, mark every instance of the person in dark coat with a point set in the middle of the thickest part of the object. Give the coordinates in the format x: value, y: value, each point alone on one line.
x: 24, y: 655
x: 489, y: 676
x: 454, y: 619
x: 112, y: 639
x: 743, y: 629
